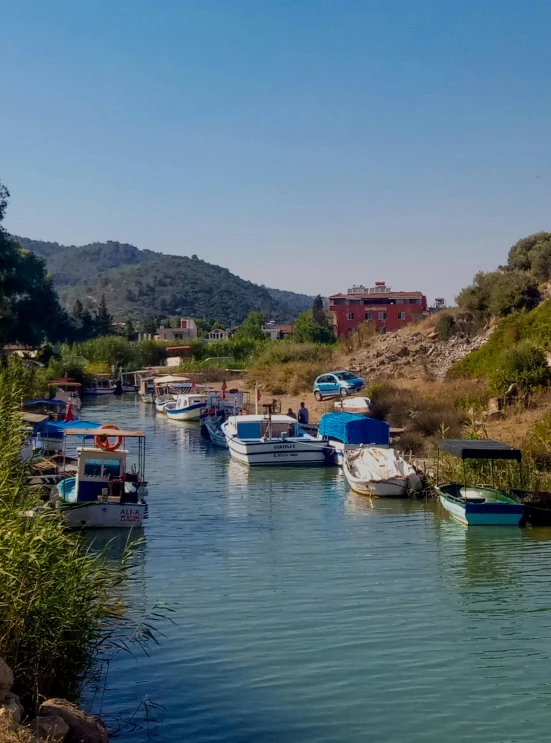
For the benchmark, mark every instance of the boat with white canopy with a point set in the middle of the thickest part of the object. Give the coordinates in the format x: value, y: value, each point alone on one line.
x: 383, y: 472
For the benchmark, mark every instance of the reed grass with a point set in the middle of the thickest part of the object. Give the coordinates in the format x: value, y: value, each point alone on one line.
x: 55, y: 599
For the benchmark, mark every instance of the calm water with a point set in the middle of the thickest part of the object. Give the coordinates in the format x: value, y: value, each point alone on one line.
x: 306, y: 613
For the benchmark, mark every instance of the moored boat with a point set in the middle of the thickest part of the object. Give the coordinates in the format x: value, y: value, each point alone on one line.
x: 346, y: 431
x: 105, y: 492
x: 383, y: 472
x: 101, y: 385
x: 357, y: 405
x: 186, y: 407
x: 213, y: 426
x: 479, y: 505
x: 272, y: 440
x: 167, y: 388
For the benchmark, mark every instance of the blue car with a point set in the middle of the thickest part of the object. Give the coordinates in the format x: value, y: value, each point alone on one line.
x: 337, y: 383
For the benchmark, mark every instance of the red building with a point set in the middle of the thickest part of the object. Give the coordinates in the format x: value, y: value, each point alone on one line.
x: 379, y: 304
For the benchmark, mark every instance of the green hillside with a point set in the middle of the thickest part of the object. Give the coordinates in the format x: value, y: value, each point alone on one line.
x: 142, y: 282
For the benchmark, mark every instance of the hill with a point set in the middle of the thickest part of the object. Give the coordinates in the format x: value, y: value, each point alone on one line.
x: 138, y: 283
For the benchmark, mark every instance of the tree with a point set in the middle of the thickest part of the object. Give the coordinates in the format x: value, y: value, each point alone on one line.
x: 104, y: 320
x: 77, y: 312
x: 533, y: 254
x: 303, y: 329
x: 500, y: 293
x: 29, y: 307
x: 252, y: 327
x: 318, y: 312
x: 129, y: 329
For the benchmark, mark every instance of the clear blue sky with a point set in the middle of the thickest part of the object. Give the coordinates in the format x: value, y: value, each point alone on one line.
x: 304, y: 144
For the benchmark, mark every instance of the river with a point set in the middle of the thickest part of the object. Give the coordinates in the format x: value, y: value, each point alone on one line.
x: 302, y: 612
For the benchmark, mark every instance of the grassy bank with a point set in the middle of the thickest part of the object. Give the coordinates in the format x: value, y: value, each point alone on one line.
x: 54, y: 598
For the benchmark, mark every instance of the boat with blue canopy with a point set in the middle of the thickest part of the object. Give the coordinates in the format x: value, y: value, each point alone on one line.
x: 345, y: 431
x: 480, y: 505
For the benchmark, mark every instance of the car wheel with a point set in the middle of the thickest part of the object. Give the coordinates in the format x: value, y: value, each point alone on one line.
x: 317, y: 395
x: 344, y: 392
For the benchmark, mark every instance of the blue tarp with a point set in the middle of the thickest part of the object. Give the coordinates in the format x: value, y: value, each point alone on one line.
x: 43, y: 401
x: 56, y: 429
x: 354, y: 429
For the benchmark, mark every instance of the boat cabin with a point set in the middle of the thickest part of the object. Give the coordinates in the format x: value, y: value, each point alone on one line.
x: 256, y: 427
x: 190, y: 401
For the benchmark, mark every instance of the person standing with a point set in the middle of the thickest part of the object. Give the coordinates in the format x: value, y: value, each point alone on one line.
x: 290, y: 413
x: 303, y: 413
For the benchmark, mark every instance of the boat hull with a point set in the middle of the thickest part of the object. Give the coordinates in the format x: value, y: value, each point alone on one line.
x: 277, y: 453
x: 394, y: 488
x: 216, y: 435
x: 97, y: 515
x: 148, y: 397
x: 95, y: 392
x: 191, y: 413
x: 483, y: 514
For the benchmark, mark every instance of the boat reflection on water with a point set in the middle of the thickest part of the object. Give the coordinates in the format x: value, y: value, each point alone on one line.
x: 239, y: 475
x: 356, y: 503
x: 112, y: 543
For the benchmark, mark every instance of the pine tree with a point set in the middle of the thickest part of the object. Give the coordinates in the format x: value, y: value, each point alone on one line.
x: 129, y: 329
x: 103, y: 319
x: 318, y: 312
x: 77, y: 313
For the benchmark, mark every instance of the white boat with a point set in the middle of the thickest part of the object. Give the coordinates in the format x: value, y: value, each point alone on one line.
x: 213, y: 426
x: 358, y: 405
x: 104, y: 493
x: 187, y: 407
x: 222, y: 404
x: 346, y: 431
x: 374, y: 470
x: 274, y: 440
x: 69, y: 391
x: 101, y: 385
x: 167, y: 389
x: 477, y: 505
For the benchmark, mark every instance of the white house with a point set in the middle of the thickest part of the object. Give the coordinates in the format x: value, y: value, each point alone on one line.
x: 216, y: 335
x: 186, y: 332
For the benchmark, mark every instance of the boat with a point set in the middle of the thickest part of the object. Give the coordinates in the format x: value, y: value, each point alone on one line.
x: 146, y: 387
x: 222, y: 404
x: 358, y: 405
x: 101, y: 385
x: 274, y: 440
x: 479, y: 505
x: 48, y: 420
x: 186, y: 407
x: 104, y: 493
x: 346, y: 431
x: 68, y: 390
x: 167, y: 389
x: 383, y: 472
x: 213, y: 427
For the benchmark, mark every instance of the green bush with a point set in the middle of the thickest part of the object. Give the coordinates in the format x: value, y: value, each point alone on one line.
x: 500, y: 293
x: 446, y: 326
x: 285, y: 352
x: 525, y: 364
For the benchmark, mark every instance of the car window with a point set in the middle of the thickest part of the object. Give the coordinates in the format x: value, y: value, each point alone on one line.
x: 346, y: 375
x: 331, y: 378
x: 322, y: 379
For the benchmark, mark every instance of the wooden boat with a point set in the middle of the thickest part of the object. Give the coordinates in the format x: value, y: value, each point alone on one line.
x: 383, y: 472
x: 213, y: 426
x: 479, y: 505
x: 357, y: 405
x: 274, y: 440
x: 104, y: 492
x: 346, y: 431
x: 187, y: 407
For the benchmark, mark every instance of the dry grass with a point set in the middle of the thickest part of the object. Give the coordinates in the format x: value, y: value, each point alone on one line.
x: 294, y: 377
x: 10, y: 733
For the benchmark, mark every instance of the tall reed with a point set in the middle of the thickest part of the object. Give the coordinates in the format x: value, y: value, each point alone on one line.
x: 54, y: 598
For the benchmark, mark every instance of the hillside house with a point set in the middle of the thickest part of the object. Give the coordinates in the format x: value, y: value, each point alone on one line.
x: 187, y: 331
x: 216, y: 335
x: 175, y: 355
x: 277, y: 332
x: 388, y: 310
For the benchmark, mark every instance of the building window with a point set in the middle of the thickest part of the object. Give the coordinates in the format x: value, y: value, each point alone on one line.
x: 349, y: 315
x: 368, y: 315
x: 351, y: 331
x: 414, y: 301
x: 401, y: 316
x: 382, y: 315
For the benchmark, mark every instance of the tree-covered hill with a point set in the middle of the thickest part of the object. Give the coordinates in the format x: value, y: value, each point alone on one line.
x: 142, y: 282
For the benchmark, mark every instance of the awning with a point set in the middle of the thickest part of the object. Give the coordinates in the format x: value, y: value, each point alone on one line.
x: 351, y: 428
x: 479, y: 449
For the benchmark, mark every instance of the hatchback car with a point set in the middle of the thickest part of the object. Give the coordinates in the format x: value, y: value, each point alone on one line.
x: 338, y: 383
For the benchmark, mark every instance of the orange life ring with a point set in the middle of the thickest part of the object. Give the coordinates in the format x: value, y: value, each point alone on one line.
x: 102, y: 441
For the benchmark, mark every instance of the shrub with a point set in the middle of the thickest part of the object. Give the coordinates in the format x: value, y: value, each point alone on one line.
x: 525, y: 364
x: 500, y: 293
x: 437, y: 419
x: 446, y: 326
x: 412, y: 441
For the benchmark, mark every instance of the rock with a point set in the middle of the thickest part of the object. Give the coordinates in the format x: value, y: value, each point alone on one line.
x: 404, y: 351
x: 433, y: 336
x: 391, y: 357
x: 11, y: 708
x: 53, y: 728
x: 493, y: 404
x: 493, y: 415
x: 6, y: 679
x: 83, y: 728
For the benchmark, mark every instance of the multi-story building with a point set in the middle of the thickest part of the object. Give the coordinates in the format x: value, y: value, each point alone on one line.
x: 379, y: 304
x: 187, y: 331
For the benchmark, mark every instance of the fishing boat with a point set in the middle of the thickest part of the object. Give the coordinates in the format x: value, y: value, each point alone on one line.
x: 105, y: 492
x: 167, y: 388
x: 479, y: 505
x: 222, y: 404
x: 358, y: 405
x: 146, y: 388
x: 101, y: 385
x: 213, y: 426
x: 274, y: 440
x: 346, y: 431
x: 186, y: 407
x: 68, y: 390
x: 383, y: 472
x: 48, y: 420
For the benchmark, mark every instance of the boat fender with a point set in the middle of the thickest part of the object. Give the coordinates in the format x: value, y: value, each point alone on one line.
x: 102, y: 441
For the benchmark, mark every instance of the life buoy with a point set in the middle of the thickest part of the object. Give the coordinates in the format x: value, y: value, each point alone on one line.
x: 102, y: 441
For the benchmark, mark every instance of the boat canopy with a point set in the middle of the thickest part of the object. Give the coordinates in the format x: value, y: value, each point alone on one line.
x: 80, y: 427
x: 351, y: 428
x: 171, y: 379
x: 479, y: 449
x: 43, y: 401
x: 88, y: 430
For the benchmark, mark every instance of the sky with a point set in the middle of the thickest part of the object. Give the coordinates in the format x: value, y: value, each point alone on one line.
x: 305, y: 144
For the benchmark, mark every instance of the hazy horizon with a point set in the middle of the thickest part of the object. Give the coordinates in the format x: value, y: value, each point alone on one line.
x: 304, y: 146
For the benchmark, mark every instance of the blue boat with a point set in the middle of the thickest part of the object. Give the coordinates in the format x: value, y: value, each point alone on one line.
x: 51, y: 433
x: 477, y: 505
x: 346, y: 431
